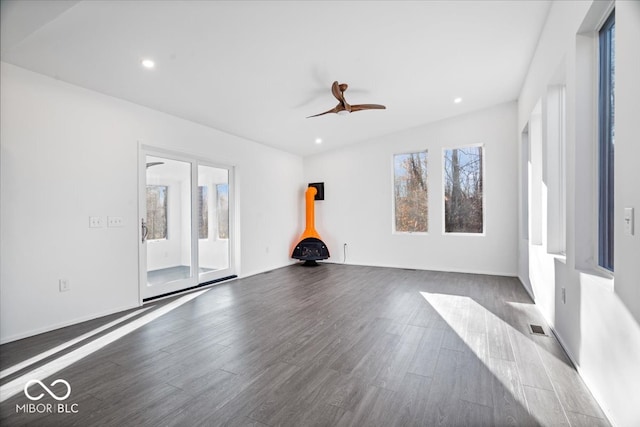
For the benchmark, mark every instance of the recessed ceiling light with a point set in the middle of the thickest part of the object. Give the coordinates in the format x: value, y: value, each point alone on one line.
x: 457, y: 100
x: 318, y: 140
x: 148, y: 63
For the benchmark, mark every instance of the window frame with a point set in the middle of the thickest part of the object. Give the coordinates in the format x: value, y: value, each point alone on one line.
x: 484, y: 199
x: 393, y: 192
x: 606, y: 144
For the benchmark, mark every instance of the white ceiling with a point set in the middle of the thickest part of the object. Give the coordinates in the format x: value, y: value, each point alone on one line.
x: 256, y: 69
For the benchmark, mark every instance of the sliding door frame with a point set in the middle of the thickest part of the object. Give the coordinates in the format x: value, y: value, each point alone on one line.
x: 195, y: 161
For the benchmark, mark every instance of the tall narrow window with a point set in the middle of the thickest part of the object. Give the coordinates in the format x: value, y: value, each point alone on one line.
x: 463, y: 193
x: 157, y: 212
x: 606, y: 133
x: 411, y: 192
x: 555, y: 170
x: 525, y: 167
x: 203, y: 212
x: 222, y: 209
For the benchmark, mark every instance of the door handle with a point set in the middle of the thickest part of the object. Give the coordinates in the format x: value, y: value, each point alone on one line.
x: 144, y: 229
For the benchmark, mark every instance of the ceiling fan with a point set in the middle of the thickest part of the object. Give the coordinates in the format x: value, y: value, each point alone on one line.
x: 343, y: 107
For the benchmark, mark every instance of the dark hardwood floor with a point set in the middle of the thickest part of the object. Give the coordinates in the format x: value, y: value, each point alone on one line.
x: 334, y: 345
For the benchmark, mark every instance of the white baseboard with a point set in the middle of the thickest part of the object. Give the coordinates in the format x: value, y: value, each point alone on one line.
x: 577, y: 367
x: 448, y: 270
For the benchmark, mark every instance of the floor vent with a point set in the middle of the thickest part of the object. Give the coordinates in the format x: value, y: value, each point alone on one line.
x: 537, y: 330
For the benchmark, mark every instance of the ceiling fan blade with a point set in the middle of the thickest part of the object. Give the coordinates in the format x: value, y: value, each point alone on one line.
x: 335, y: 109
x: 335, y: 89
x: 361, y: 107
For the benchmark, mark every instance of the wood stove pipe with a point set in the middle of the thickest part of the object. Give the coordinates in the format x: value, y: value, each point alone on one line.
x: 310, y: 228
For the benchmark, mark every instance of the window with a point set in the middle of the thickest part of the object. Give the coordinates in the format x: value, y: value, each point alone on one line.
x: 606, y: 142
x: 525, y: 166
x: 157, y: 212
x: 537, y: 183
x: 555, y: 169
x: 203, y: 212
x: 222, y: 203
x: 463, y: 194
x: 410, y: 192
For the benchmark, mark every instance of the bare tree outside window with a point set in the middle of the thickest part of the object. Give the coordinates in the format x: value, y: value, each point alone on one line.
x: 203, y: 212
x: 222, y: 191
x: 157, y: 211
x: 411, y: 192
x: 463, y: 190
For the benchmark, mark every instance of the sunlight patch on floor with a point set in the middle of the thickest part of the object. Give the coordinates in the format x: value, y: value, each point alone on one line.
x: 35, y: 359
x: 449, y: 309
x: 16, y: 385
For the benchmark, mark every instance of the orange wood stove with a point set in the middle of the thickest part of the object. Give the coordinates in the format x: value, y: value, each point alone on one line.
x: 310, y: 246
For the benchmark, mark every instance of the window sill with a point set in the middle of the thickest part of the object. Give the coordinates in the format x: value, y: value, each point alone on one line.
x: 410, y: 233
x: 559, y: 257
x: 464, y: 234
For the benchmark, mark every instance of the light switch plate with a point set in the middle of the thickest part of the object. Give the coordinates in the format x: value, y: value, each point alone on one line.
x: 114, y: 221
x: 628, y: 221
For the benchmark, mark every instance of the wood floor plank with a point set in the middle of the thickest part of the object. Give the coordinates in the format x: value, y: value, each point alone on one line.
x: 530, y: 366
x: 425, y: 359
x: 318, y: 415
x: 346, y: 392
x: 377, y: 357
x: 254, y: 394
x: 476, y: 379
x: 310, y: 395
x: 346, y: 358
x: 571, y: 390
x: 392, y: 374
x: 443, y: 404
x: 299, y: 388
x: 154, y: 404
x: 545, y: 407
x: 576, y: 419
x: 411, y: 400
x: 375, y: 409
x: 476, y: 319
x: 474, y: 414
x: 499, y: 343
x: 509, y: 403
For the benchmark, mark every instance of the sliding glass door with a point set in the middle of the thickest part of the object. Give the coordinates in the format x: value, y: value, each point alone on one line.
x: 213, y: 221
x: 185, y: 222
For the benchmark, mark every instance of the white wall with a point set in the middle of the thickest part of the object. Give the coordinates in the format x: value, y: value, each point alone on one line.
x: 599, y: 323
x: 357, y: 209
x: 70, y: 153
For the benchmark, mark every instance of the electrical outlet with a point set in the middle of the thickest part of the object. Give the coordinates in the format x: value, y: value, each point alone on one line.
x: 115, y: 221
x: 63, y: 285
x: 95, y: 222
